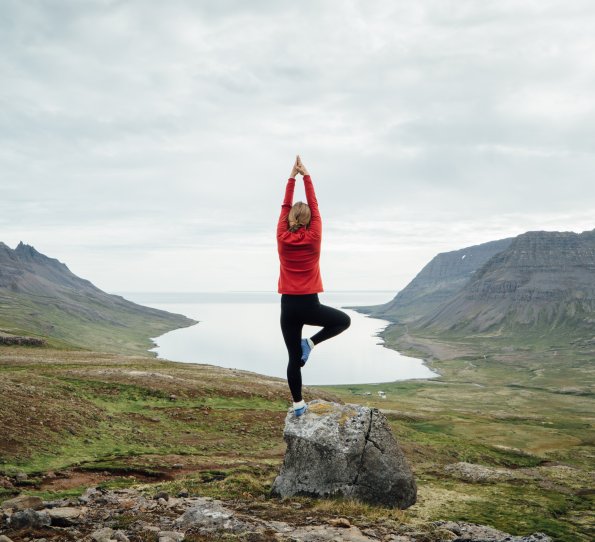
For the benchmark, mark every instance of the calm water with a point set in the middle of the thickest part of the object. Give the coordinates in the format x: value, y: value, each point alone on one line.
x: 241, y: 330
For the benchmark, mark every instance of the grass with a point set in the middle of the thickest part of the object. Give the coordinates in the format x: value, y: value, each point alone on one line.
x: 526, y: 407
x: 118, y: 421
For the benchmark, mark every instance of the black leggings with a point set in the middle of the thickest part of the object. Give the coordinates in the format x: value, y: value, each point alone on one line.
x: 300, y: 310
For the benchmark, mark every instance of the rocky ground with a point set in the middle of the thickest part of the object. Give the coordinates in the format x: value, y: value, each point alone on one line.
x: 483, y: 451
x: 131, y: 515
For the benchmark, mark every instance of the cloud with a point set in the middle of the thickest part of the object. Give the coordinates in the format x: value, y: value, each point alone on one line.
x: 151, y: 126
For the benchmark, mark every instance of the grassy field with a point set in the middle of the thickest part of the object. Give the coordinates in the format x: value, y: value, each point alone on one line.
x: 72, y: 419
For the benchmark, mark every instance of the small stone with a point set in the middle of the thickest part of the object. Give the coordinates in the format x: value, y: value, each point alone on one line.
x: 88, y: 494
x: 183, y: 492
x: 4, y: 538
x: 177, y: 466
x: 64, y: 516
x: 29, y: 518
x: 102, y: 535
x: 127, y: 504
x: 340, y: 522
x: 120, y: 536
x: 20, y: 476
x: 22, y: 502
x: 470, y: 472
x: 161, y: 495
x: 208, y: 516
x: 445, y: 534
x: 170, y: 536
x: 6, y: 483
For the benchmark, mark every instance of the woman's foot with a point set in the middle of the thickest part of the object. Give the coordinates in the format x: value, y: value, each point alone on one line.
x: 299, y: 408
x: 307, y: 346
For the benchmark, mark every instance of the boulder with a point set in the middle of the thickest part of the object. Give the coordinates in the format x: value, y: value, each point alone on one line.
x: 344, y: 450
x: 105, y: 534
x: 207, y: 516
x: 29, y: 518
x: 471, y: 532
x: 64, y: 516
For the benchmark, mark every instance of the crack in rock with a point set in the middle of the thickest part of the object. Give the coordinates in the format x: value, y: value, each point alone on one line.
x: 366, y: 437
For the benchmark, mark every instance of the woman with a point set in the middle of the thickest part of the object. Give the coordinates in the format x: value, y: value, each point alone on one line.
x: 299, y: 233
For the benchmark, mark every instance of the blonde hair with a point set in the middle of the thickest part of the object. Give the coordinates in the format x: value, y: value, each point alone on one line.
x: 299, y: 215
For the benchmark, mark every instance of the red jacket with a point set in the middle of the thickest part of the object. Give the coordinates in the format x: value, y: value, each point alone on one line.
x: 299, y: 251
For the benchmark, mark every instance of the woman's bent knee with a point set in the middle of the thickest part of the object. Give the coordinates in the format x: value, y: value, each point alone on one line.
x: 346, y: 321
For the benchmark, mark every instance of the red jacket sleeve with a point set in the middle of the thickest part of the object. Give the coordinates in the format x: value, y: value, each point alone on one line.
x: 286, y: 207
x: 315, y: 227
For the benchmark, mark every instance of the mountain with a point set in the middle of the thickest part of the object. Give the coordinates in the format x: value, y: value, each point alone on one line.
x: 543, y: 281
x: 40, y: 296
x: 443, y: 277
x: 540, y: 283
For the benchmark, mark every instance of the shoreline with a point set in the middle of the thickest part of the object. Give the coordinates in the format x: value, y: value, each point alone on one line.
x: 412, y: 355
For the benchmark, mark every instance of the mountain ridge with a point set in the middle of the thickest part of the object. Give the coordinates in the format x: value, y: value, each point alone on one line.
x: 538, y: 282
x: 437, y: 281
x: 543, y: 280
x: 40, y: 296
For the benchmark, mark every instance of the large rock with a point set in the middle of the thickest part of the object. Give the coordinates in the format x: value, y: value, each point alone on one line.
x: 344, y: 450
x: 64, y: 516
x: 471, y: 532
x: 22, y: 502
x: 207, y: 516
x: 29, y: 518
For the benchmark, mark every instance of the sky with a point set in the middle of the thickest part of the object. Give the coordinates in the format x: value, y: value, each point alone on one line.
x: 146, y: 144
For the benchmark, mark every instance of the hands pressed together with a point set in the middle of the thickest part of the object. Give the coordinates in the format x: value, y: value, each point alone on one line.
x: 298, y: 167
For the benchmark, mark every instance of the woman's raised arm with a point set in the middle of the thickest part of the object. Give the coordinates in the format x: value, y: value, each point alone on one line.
x: 315, y: 227
x: 287, y: 201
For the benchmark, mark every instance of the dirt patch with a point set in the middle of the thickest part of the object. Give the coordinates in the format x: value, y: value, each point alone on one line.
x: 71, y: 479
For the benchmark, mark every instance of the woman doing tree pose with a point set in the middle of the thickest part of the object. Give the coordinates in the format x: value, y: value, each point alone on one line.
x: 299, y: 233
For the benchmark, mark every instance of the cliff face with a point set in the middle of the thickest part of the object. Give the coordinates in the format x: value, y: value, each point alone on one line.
x: 543, y: 280
x: 41, y: 296
x: 444, y: 276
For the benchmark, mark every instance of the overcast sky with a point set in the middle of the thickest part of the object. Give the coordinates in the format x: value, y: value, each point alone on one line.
x: 147, y: 144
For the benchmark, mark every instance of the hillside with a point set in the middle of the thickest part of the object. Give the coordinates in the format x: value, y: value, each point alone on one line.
x: 543, y: 283
x: 40, y: 296
x: 437, y: 282
x: 482, y: 452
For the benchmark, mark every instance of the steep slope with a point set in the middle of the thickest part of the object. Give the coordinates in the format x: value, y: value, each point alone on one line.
x: 543, y: 282
x: 444, y: 276
x: 41, y: 296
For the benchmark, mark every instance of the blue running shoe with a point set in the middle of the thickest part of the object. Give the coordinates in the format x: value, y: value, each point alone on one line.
x: 299, y: 411
x: 305, y: 350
